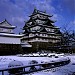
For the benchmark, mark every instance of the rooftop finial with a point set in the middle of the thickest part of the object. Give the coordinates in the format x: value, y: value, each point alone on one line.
x: 5, y: 19
x: 35, y: 10
x: 45, y: 11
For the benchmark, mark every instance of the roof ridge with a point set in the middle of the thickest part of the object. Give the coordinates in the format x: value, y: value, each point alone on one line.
x: 5, y: 21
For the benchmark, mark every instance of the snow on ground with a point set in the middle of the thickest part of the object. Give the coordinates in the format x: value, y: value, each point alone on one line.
x: 5, y: 60
x: 63, y: 70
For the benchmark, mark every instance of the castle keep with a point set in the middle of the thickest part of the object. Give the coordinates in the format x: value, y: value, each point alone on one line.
x: 40, y: 31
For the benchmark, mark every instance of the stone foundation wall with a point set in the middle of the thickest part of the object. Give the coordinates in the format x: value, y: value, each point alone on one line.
x: 47, y: 46
x: 10, y: 49
x: 37, y: 46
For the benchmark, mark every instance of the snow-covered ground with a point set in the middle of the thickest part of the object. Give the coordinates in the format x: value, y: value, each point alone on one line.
x: 62, y: 70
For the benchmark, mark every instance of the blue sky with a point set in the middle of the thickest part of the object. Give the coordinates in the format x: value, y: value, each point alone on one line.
x: 17, y: 11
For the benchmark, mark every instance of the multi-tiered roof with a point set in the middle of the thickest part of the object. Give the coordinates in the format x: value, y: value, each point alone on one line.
x: 39, y: 20
x: 6, y: 24
x: 40, y: 31
x: 6, y: 29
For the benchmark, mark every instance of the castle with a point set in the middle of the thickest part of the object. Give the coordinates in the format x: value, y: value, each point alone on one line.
x: 9, y: 41
x: 40, y: 31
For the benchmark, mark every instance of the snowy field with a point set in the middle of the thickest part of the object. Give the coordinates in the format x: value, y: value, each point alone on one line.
x: 62, y: 70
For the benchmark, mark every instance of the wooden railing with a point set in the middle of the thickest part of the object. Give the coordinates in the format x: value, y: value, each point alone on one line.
x: 22, y: 69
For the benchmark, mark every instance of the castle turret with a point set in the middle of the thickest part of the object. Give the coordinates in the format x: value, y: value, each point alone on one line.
x: 9, y: 41
x: 40, y: 29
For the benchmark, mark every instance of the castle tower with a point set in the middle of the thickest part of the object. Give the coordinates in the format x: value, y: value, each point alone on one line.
x: 9, y: 41
x: 40, y: 31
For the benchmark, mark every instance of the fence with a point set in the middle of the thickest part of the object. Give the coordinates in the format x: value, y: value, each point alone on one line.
x: 43, y: 66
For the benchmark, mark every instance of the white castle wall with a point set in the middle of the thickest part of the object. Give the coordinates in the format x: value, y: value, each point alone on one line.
x: 9, y: 40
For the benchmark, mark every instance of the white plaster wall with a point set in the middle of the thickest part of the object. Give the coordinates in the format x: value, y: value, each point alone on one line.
x: 38, y: 40
x: 9, y: 40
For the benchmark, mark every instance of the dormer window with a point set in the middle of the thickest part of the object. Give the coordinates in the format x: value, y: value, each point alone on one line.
x: 35, y: 28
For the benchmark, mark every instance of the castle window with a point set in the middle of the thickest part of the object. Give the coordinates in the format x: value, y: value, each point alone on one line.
x: 34, y: 17
x: 1, y: 29
x: 45, y: 34
x: 42, y: 34
x: 38, y: 38
x: 9, y: 30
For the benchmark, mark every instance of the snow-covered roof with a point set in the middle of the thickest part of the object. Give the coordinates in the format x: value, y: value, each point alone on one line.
x: 6, y: 24
x: 10, y: 35
x: 26, y: 44
x: 40, y: 12
x: 9, y: 27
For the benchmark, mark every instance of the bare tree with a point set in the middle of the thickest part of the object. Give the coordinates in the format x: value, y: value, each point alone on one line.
x: 67, y: 34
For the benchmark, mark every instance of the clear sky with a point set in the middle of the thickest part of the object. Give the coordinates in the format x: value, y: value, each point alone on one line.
x: 17, y: 11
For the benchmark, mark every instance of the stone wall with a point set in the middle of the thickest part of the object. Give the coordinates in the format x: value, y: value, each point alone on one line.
x: 37, y: 46
x: 10, y: 49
